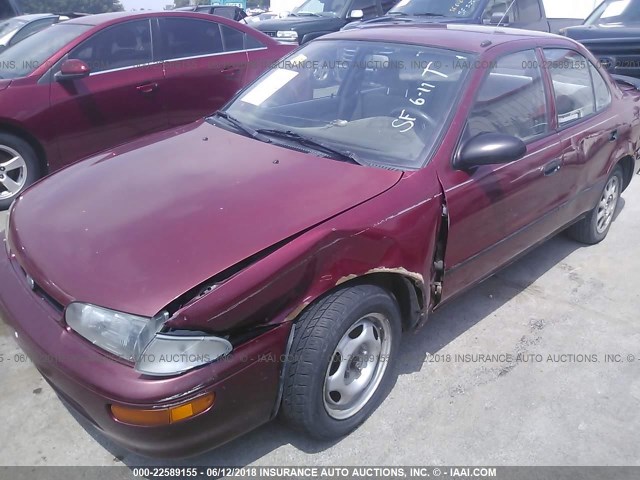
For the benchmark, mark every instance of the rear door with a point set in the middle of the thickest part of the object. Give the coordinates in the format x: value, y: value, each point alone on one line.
x: 589, y: 128
x: 498, y: 211
x: 205, y: 64
x: 118, y: 101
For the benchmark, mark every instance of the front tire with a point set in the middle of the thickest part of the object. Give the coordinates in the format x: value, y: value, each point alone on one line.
x: 595, y: 226
x: 341, y: 361
x: 19, y: 168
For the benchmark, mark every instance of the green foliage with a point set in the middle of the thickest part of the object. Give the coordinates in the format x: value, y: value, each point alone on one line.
x: 85, y: 6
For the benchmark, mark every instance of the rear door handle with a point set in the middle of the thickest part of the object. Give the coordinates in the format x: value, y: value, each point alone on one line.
x: 552, y: 167
x: 147, y: 88
x: 613, y: 136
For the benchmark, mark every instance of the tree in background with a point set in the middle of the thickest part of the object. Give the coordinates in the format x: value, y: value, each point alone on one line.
x: 180, y: 3
x: 85, y: 6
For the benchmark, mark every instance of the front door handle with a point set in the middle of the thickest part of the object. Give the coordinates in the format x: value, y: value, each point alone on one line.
x: 613, y: 136
x: 147, y: 88
x: 230, y: 70
x: 552, y: 167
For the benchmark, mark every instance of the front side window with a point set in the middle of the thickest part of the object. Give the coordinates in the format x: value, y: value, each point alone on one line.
x: 24, y: 58
x: 121, y: 46
x: 511, y: 99
x: 386, y: 103
x: 368, y: 7
x: 572, y: 85
x: 438, y: 8
x: 615, y: 11
x: 320, y: 8
x: 499, y: 11
x: 187, y: 37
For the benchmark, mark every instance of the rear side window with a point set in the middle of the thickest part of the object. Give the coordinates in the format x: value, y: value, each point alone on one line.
x: 124, y: 45
x: 511, y: 99
x: 232, y: 39
x: 572, y: 85
x: 187, y: 37
x: 600, y: 89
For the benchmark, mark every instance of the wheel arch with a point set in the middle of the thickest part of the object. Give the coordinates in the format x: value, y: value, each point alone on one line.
x: 408, y: 289
x: 627, y: 163
x: 24, y: 134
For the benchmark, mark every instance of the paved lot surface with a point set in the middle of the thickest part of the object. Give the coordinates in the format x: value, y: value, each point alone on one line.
x: 561, y: 301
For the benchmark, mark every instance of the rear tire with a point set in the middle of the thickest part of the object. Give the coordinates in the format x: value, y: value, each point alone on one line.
x: 19, y: 168
x: 342, y: 361
x: 595, y: 226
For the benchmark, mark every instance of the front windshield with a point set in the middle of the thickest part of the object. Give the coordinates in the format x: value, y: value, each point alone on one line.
x: 8, y: 28
x: 445, y: 8
x: 25, y: 57
x: 330, y: 8
x: 385, y: 103
x: 615, y: 11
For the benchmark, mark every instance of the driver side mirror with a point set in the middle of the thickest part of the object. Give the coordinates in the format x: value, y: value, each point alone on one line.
x: 498, y: 17
x: 489, y: 149
x: 355, y: 15
x: 72, y: 70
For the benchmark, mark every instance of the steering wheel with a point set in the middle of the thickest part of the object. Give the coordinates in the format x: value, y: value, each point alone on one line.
x: 423, y: 120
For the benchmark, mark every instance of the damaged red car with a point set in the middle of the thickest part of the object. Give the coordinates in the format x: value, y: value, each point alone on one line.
x: 266, y: 261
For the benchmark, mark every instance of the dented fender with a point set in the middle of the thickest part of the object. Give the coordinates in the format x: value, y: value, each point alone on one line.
x: 390, y: 234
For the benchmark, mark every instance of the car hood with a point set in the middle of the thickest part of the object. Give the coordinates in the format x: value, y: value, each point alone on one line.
x: 604, y: 31
x: 295, y: 23
x: 406, y: 19
x: 135, y: 228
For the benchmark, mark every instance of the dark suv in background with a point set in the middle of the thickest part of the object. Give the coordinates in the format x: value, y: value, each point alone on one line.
x: 525, y: 14
x: 612, y: 33
x: 315, y: 18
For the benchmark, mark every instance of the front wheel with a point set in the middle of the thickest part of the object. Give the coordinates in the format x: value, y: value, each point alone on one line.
x: 594, y: 227
x: 18, y: 168
x: 341, y: 362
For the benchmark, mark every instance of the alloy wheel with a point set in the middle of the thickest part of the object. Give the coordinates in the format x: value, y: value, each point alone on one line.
x: 13, y: 172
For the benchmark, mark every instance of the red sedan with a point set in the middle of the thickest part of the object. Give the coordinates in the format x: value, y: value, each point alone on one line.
x: 98, y: 81
x: 273, y: 261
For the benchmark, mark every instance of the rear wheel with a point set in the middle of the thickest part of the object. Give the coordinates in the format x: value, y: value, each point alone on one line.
x: 19, y: 168
x: 595, y: 226
x: 342, y: 358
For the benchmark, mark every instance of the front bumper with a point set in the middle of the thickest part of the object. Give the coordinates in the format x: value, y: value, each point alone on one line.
x: 245, y: 384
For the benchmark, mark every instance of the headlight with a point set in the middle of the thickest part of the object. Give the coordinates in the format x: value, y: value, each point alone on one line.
x: 115, y: 332
x: 287, y: 34
x: 136, y: 339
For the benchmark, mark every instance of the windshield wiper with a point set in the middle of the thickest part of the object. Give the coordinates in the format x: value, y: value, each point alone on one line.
x: 399, y: 14
x: 428, y: 14
x: 307, y: 14
x: 242, y: 127
x: 310, y: 142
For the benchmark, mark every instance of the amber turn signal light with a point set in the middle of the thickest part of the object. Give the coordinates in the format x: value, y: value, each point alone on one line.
x: 162, y: 416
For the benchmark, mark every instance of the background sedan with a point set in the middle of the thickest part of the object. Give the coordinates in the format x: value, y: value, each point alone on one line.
x: 14, y: 30
x: 95, y: 82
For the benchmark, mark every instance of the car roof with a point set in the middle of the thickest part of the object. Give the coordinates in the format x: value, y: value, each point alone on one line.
x: 469, y: 38
x: 102, y: 18
x: 35, y: 16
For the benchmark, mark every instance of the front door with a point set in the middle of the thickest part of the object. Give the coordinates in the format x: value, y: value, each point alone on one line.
x: 117, y: 102
x: 498, y: 211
